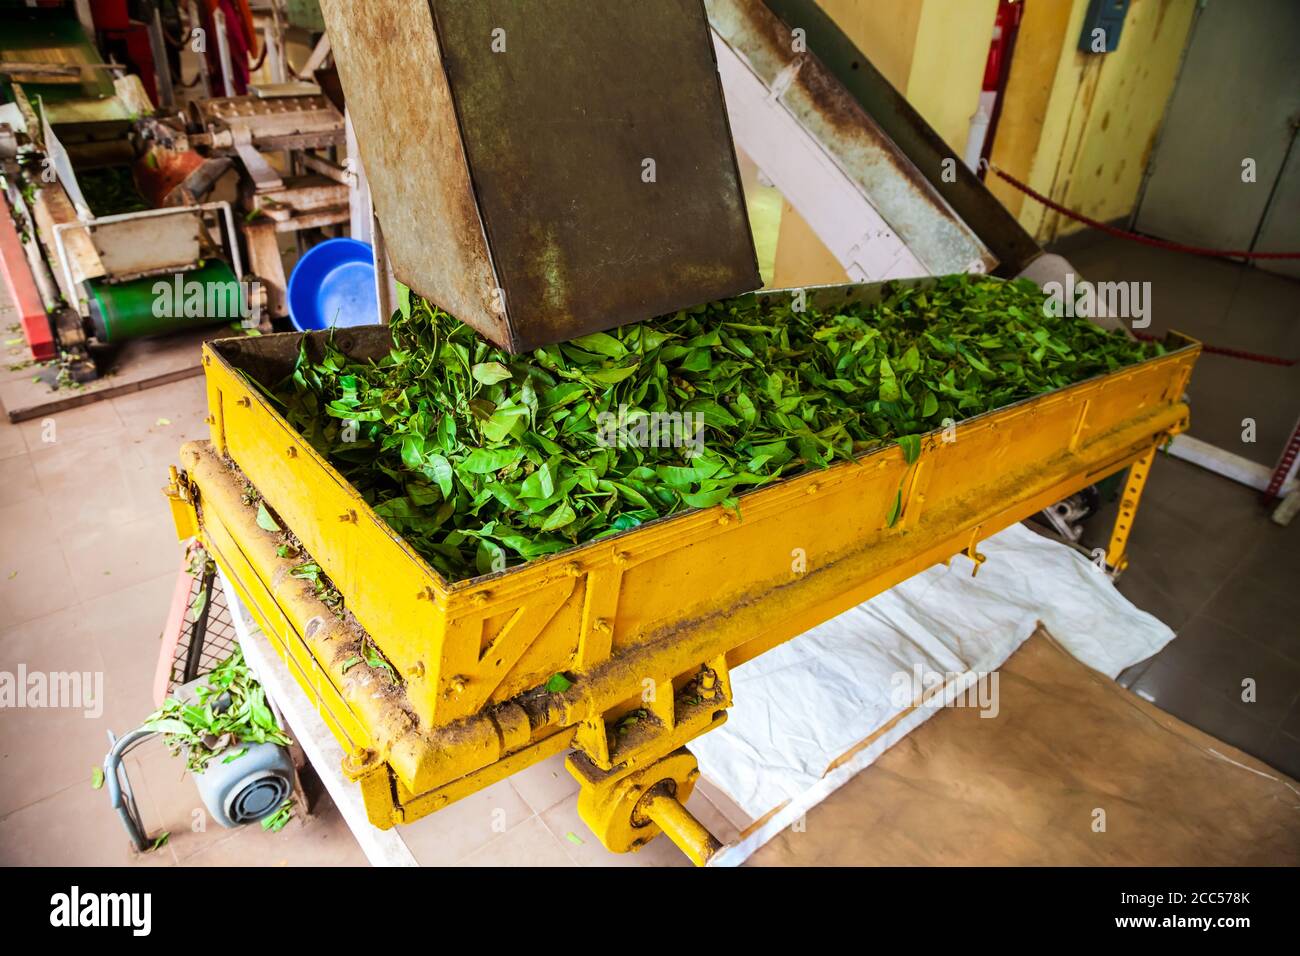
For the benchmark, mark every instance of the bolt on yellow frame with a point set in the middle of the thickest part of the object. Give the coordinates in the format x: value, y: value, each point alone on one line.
x: 647, y: 623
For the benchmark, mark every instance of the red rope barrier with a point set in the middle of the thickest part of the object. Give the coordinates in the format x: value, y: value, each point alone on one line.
x: 1231, y: 353
x: 1135, y: 237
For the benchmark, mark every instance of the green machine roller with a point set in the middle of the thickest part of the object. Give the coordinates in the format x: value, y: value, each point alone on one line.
x: 161, y: 304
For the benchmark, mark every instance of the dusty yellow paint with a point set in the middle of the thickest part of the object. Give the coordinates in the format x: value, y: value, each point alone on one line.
x: 646, y: 625
x: 1117, y: 550
x: 1086, y: 143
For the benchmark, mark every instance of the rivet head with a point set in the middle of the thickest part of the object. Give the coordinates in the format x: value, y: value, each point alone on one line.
x: 293, y: 452
x: 243, y: 402
x: 479, y: 598
x: 622, y: 557
x: 573, y: 569
x: 813, y: 488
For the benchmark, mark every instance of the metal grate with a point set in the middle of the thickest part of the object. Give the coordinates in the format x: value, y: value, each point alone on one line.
x: 217, y: 636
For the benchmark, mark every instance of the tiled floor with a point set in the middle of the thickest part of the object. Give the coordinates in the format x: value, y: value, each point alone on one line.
x: 1224, y: 304
x: 1206, y: 558
x: 88, y: 561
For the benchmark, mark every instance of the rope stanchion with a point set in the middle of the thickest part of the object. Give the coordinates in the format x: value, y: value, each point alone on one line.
x: 1133, y: 236
x: 1284, y: 464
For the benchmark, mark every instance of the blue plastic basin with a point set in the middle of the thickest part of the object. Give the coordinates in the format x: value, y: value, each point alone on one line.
x: 333, y: 286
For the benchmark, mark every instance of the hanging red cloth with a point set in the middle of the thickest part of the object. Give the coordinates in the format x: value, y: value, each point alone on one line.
x: 240, y: 37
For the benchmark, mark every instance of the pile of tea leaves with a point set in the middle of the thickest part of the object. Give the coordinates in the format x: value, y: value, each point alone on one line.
x: 110, y: 190
x: 482, y: 460
x: 229, y: 711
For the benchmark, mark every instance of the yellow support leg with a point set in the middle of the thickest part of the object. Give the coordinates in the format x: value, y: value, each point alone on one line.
x: 1117, y: 552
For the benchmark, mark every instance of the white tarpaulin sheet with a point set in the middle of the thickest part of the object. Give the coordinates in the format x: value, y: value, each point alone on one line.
x: 804, y: 705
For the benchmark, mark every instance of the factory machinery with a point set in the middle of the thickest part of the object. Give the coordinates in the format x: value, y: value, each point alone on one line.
x: 511, y: 188
x: 108, y: 194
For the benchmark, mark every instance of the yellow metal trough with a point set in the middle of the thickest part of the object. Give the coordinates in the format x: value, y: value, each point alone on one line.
x: 646, y: 624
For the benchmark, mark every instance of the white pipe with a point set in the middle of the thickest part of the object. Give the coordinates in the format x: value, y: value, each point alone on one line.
x: 197, y: 24
x: 979, y: 129
x: 223, y: 51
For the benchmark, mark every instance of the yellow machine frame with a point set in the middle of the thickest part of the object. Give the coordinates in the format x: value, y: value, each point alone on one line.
x: 647, y: 624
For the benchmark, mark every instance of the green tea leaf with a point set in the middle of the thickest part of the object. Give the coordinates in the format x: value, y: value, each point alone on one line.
x: 264, y: 519
x: 562, y: 515
x: 482, y: 461
x: 895, y: 509
x: 601, y: 343
x: 438, y: 470
x: 911, y: 445
x: 558, y: 684
x: 489, y: 373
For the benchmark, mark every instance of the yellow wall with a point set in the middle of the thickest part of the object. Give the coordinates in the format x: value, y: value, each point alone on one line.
x: 885, y: 30
x: 1080, y: 127
x: 952, y: 47
x: 1077, y: 127
x: 932, y: 51
x: 1043, y: 28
